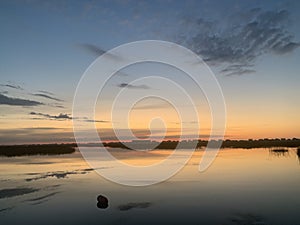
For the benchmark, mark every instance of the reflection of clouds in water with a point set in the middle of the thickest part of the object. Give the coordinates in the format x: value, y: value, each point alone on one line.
x: 42, y: 199
x: 46, y: 197
x: 4, y: 180
x: 60, y: 174
x: 39, y: 202
x: 52, y: 187
x: 246, y: 219
x: 6, y: 209
x: 13, y: 192
x: 57, y: 174
x: 133, y: 205
x: 38, y: 163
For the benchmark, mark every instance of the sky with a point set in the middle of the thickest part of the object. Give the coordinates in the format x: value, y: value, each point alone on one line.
x: 252, y: 47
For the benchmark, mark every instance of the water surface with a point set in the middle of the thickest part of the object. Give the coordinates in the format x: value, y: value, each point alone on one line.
x: 241, y: 187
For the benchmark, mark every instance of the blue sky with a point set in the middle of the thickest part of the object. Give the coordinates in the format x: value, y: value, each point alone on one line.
x: 46, y: 46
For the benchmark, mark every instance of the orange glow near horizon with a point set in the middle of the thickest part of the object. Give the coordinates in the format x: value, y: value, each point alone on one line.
x: 241, y: 124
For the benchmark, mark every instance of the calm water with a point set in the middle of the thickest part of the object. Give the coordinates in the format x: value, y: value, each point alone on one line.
x: 241, y: 187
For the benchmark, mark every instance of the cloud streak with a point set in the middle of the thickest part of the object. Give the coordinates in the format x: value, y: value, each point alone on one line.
x: 61, y: 116
x: 95, y: 121
x: 130, y: 86
x: 46, y: 92
x: 98, y: 51
x: 5, y: 100
x: 152, y: 106
x: 12, y: 86
x: 92, y: 49
x: 48, y: 97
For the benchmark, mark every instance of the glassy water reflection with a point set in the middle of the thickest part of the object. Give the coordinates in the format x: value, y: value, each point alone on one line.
x: 241, y: 187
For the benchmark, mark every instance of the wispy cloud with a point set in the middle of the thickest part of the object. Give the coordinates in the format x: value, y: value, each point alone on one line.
x: 61, y: 116
x: 48, y: 97
x: 238, y: 69
x: 56, y: 105
x: 98, y: 51
x: 5, y: 100
x: 95, y: 121
x: 238, y: 40
x: 12, y: 86
x: 42, y: 94
x: 130, y: 86
x: 36, y: 135
x: 46, y: 92
x: 152, y: 106
x: 92, y: 49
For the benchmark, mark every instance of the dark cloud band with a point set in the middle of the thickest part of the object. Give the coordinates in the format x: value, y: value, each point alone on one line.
x: 5, y: 100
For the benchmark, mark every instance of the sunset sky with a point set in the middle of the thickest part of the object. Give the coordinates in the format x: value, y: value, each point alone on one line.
x: 252, y: 47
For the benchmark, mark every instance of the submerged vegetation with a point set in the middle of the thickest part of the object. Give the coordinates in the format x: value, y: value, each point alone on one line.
x: 279, y: 152
x: 42, y: 149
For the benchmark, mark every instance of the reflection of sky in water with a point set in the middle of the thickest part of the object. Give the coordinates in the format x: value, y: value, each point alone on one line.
x: 241, y: 187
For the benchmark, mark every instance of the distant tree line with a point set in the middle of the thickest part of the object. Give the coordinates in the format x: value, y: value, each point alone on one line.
x: 261, y: 143
x: 57, y: 149
x: 250, y: 143
x: 41, y: 149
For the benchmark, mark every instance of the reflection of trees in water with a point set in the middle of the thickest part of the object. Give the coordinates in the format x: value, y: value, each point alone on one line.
x: 279, y: 152
x: 282, y: 152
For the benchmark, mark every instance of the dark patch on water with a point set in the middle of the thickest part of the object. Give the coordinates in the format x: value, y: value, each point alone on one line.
x: 12, y: 192
x: 42, y: 197
x: 6, y: 209
x: 134, y: 205
x: 247, y: 219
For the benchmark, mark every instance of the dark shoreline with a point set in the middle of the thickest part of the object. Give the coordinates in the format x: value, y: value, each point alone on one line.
x: 58, y: 149
x: 247, y: 144
x: 36, y: 149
